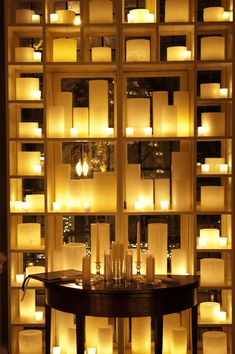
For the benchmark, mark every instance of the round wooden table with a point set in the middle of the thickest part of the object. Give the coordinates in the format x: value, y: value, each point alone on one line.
x: 173, y: 294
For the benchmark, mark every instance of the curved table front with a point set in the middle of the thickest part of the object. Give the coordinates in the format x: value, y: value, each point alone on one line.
x: 173, y: 294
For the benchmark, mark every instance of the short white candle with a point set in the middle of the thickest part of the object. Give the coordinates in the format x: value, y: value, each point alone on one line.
x: 91, y: 350
x: 223, y: 242
x: 101, y: 54
x: 214, y: 342
x: 24, y: 54
x: 56, y: 206
x: 222, y: 316
x: 26, y: 205
x: 56, y: 350
x: 73, y: 132
x: 176, y: 53
x: 18, y: 205
x: 212, y: 271
x: 213, y: 13
x: 24, y: 15
x: 187, y: 54
x: 139, y: 204
x: 164, y: 204
x: 202, y: 242
x: 138, y: 50
x: 205, y: 168
x: 223, y: 168
x: 201, y: 131
x: 210, y: 90
x: 105, y: 340
x: 66, y: 16
x: 37, y: 169
x: 38, y: 315
x: 30, y: 341
x: 37, y: 57
x: 109, y: 132
x: 178, y: 340
x: 35, y: 18
x: 37, y: 132
x: 77, y: 20
x: 148, y: 131
x: 209, y: 311
x: 19, y: 278
x: 87, y: 206
x: 53, y: 18
x: 129, y: 132
x: 224, y: 92
x: 36, y: 94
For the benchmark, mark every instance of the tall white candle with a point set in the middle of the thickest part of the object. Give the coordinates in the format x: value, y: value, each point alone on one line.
x: 214, y: 342
x: 100, y: 243
x: 181, y: 180
x: 132, y: 184
x: 170, y: 322
x: 138, y: 114
x: 81, y: 120
x: 27, y: 306
x: 30, y: 341
x: 178, y: 261
x: 73, y: 254
x: 179, y: 340
x: 138, y: 241
x: 212, y: 271
x: 181, y: 101
x: 105, y: 191
x: 26, y: 87
x: 159, y: 100
x: 150, y: 268
x: 138, y: 50
x: 169, y: 120
x: 141, y: 335
x: 105, y: 340
x: 162, y: 192
x: 91, y: 329
x: 86, y: 269
x: 98, y: 107
x: 158, y: 244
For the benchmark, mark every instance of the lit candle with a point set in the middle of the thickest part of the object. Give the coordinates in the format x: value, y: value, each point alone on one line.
x: 205, y: 168
x: 138, y: 50
x: 28, y: 235
x: 129, y: 132
x: 148, y: 131
x: 176, y: 53
x: 35, y: 18
x: 30, y: 341
x: 24, y: 54
x: 56, y: 206
x: 26, y: 205
x: 37, y: 132
x: 24, y: 15
x: 214, y: 342
x: 37, y: 57
x: 187, y: 54
x: 150, y: 268
x: 213, y: 13
x: 212, y: 271
x: 97, y: 244
x: 86, y: 206
x: 139, y: 204
x: 222, y: 316
x: 56, y: 350
x: 53, y: 18
x: 138, y: 242
x: 178, y: 340
x: 107, y: 267
x: 36, y: 94
x: 202, y: 242
x: 66, y: 16
x: 109, y: 132
x: 223, y: 242
x: 37, y: 169
x: 91, y: 350
x: 210, y: 90
x: 209, y: 311
x: 73, y: 132
x: 86, y: 269
x: 101, y: 54
x: 19, y: 278
x: 18, y: 205
x: 69, y: 52
x: 164, y: 204
x: 202, y: 131
x: 38, y: 315
x: 223, y: 168
x: 105, y: 339
x: 77, y: 20
x: 224, y: 92
x: 129, y: 265
x: 213, y: 48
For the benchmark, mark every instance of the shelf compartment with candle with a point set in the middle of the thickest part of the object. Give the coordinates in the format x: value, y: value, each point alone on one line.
x: 84, y: 108
x: 29, y: 13
x: 63, y: 13
x: 215, y: 13
x: 164, y: 237
x: 27, y: 233
x: 214, y: 120
x: 214, y: 194
x: 213, y: 84
x: 177, y: 11
x: 138, y: 49
x: 157, y: 176
x: 177, y: 45
x: 26, y: 120
x: 157, y: 107
x: 214, y: 232
x: 214, y: 46
x: 102, y: 48
x: 26, y: 45
x: 70, y: 44
x: 25, y: 336
x: 101, y: 11
x: 217, y: 159
x: 27, y: 195
x: 83, y: 179
x: 139, y: 14
x: 27, y: 159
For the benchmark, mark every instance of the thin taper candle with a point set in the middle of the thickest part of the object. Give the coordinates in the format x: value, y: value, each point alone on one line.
x: 97, y: 244
x: 138, y: 242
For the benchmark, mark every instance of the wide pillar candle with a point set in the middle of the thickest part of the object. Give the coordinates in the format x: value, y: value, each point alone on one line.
x: 69, y: 52
x: 157, y: 245
x: 36, y: 202
x: 159, y: 100
x: 214, y: 342
x: 28, y: 130
x: 213, y: 13
x: 181, y: 101
x: 101, y: 11
x: 212, y: 197
x: 176, y: 53
x: 209, y: 238
x: 213, y: 48
x: 105, y: 340
x: 28, y: 235
x: 138, y: 114
x: 81, y: 121
x: 73, y: 254
x: 105, y: 191
x: 24, y: 54
x: 214, y: 122
x: 65, y: 16
x: 210, y: 90
x: 209, y: 311
x: 26, y: 87
x: 30, y: 341
x: 179, y: 340
x: 138, y: 50
x: 26, y: 162
x: 24, y: 16
x: 91, y: 329
x: 141, y: 335
x: 101, y: 54
x: 212, y: 271
x: 98, y: 107
x: 177, y: 11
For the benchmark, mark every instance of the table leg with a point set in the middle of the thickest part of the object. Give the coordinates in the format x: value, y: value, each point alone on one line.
x: 158, y: 333
x: 48, y: 328
x: 80, y: 334
x: 194, y: 329
x: 121, y: 336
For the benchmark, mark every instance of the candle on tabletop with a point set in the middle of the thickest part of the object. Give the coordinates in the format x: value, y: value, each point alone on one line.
x: 150, y: 268
x: 86, y: 269
x: 129, y: 261
x: 97, y: 244
x: 138, y: 242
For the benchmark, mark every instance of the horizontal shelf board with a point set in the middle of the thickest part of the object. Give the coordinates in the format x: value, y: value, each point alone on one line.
x: 25, y: 27
x: 158, y: 138
x: 27, y: 176
x: 85, y: 139
x: 25, y: 102
x: 67, y: 212
x: 206, y: 250
x: 32, y: 324
x: 31, y: 250
x: 77, y: 67
x: 157, y: 66
x: 157, y: 212
x: 214, y: 175
x: 214, y: 138
x: 205, y: 324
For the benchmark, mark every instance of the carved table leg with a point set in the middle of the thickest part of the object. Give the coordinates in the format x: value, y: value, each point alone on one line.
x: 80, y: 334
x: 158, y: 331
x: 48, y: 329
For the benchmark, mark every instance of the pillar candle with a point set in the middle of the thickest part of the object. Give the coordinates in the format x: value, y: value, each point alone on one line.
x: 181, y: 180
x: 69, y: 52
x: 209, y: 311
x: 213, y: 13
x: 56, y: 122
x: 39, y: 316
x: 34, y: 270
x: 65, y: 16
x: 86, y: 269
x: 91, y: 329
x: 214, y: 123
x: 98, y: 107
x: 140, y: 16
x: 179, y: 261
x: 53, y: 18
x: 28, y: 235
x: 81, y: 120
x: 212, y: 197
x: 170, y: 322
x: 138, y: 114
x: 35, y: 18
x: 24, y: 15
x: 176, y: 11
x: 181, y: 101
x: 159, y: 100
x: 30, y: 341
x: 138, y: 242
x: 150, y: 268
x: 56, y: 350
x: 26, y: 160
x: 162, y: 192
x: 107, y: 267
x: 212, y: 271
x: 176, y: 53
x: 73, y: 254
x: 132, y: 184
x: 169, y: 120
x: 105, y: 191
x: 100, y: 243
x: 37, y: 57
x: 210, y: 90
x: 101, y: 54
x: 19, y: 278
x: 28, y: 130
x: 36, y: 202
x: 210, y: 237
x: 27, y: 305
x: 62, y: 176
x: 138, y: 50
x: 24, y: 54
x: 71, y: 340
x: 141, y: 335
x: 179, y: 340
x: 25, y: 88
x: 129, y: 266
x: 65, y: 99
x: 145, y: 194
x: 101, y: 11
x: 105, y: 340
x: 158, y: 244
x: 214, y: 163
x: 214, y: 342
x: 213, y: 48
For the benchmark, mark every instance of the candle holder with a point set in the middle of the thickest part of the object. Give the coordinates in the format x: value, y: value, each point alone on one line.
x: 98, y: 276
x: 117, y: 270
x: 138, y: 277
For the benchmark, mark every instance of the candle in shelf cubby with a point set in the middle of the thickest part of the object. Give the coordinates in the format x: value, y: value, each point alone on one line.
x: 214, y: 342
x: 137, y: 50
x: 205, y: 168
x: 37, y: 57
x: 101, y: 54
x: 28, y: 235
x: 24, y: 54
x: 213, y: 13
x: 157, y: 245
x: 27, y: 305
x: 69, y: 52
x: 65, y: 99
x: 105, y: 339
x: 80, y: 195
x: 81, y: 120
x: 56, y: 121
x: 24, y: 16
x: 53, y: 18
x: 91, y: 329
x: 26, y: 161
x: 162, y: 192
x: 26, y: 88
x: 209, y: 238
x: 65, y: 17
x: 133, y: 174
x: 29, y: 130
x: 73, y: 254
x: 19, y: 278
x: 177, y: 53
x: 56, y: 350
x: 179, y: 261
x: 141, y: 335
x: 138, y: 114
x: 210, y: 90
x: 98, y: 107
x: 181, y: 101
x: 105, y: 191
x: 39, y: 316
x: 212, y: 197
x: 62, y: 176
x: 100, y: 243
x: 140, y: 16
x: 36, y: 19
x: 159, y: 100
x: 177, y: 11
x: 213, y: 48
x: 101, y: 11
x: 170, y: 322
x: 169, y: 120
x: 30, y: 341
x: 34, y: 270
x: 212, y: 271
x: 214, y: 122
x: 209, y: 312
x: 179, y: 340
x: 36, y: 202
x: 214, y: 163
x: 71, y: 339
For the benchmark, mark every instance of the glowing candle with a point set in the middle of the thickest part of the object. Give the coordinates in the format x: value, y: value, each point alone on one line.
x: 101, y: 11
x: 212, y: 271
x: 39, y: 315
x: 98, y: 107
x: 77, y: 20
x: 19, y: 279
x: 150, y: 268
x: 109, y: 132
x: 170, y: 322
x: 140, y: 16
x: 66, y: 16
x: 101, y: 54
x: 27, y: 160
x: 36, y: 94
x: 223, y: 168
x: 157, y: 245
x: 214, y: 123
x: 169, y: 120
x: 213, y: 48
x: 222, y: 316
x: 36, y: 202
x: 176, y: 53
x: 176, y: 11
x: 223, y: 242
x: 138, y: 50
x: 205, y: 168
x: 91, y: 350
x: 86, y: 206
x: 35, y: 18
x: 81, y: 120
x: 128, y: 266
x: 105, y: 340
x: 187, y: 54
x: 100, y: 243
x: 73, y: 254
x: 181, y: 99
x: 212, y: 197
x: 164, y: 204
x: 213, y: 13
x: 86, y: 269
x: 27, y: 88
x: 138, y: 114
x: 202, y: 131
x: 91, y: 329
x: 56, y: 121
x: 37, y: 169
x: 24, y: 54
x: 141, y: 335
x: 210, y: 90
x: 209, y: 311
x: 210, y: 237
x: 28, y: 235
x: 34, y: 270
x: 56, y: 350
x: 69, y: 52
x: 56, y: 206
x: 224, y: 92
x: 214, y: 342
x: 162, y: 193
x: 37, y: 57
x: 159, y: 100
x: 178, y: 340
x: 30, y: 341
x: 73, y: 132
x: 53, y: 18
x: 129, y: 132
x: 178, y: 261
x: 27, y: 306
x: 24, y: 16
x: 148, y: 131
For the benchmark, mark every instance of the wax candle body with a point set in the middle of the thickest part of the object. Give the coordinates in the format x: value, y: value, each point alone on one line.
x: 30, y: 341
x: 214, y: 342
x: 138, y: 50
